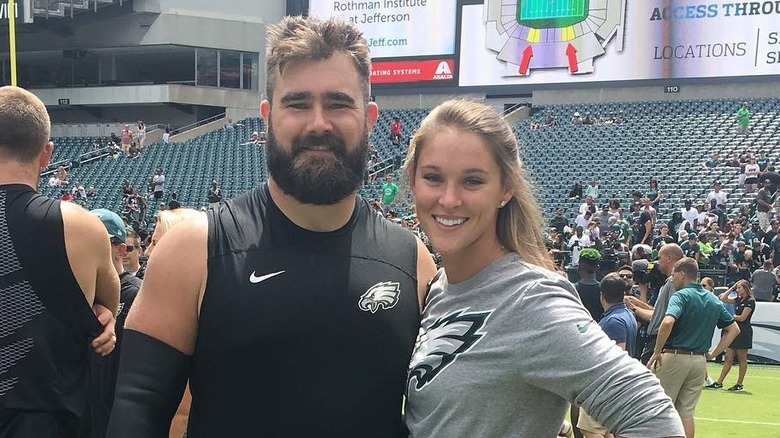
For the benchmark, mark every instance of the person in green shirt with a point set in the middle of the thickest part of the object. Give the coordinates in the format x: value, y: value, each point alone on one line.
x: 682, y: 347
x: 743, y: 118
x: 713, y: 162
x: 389, y: 192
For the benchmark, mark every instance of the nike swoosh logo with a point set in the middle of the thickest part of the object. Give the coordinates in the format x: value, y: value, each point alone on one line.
x: 584, y: 327
x: 255, y: 279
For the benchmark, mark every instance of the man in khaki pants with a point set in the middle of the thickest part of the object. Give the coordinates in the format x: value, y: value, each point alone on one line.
x: 682, y: 348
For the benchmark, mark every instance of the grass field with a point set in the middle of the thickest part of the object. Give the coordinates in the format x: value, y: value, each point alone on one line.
x: 754, y: 412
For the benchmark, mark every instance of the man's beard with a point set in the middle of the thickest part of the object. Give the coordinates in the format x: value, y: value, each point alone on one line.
x: 322, y: 180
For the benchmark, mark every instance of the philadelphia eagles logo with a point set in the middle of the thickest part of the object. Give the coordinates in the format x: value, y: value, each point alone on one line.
x: 380, y: 296
x: 439, y: 345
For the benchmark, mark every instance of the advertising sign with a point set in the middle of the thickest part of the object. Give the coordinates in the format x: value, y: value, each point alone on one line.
x: 568, y: 41
x: 22, y: 11
x: 418, y: 35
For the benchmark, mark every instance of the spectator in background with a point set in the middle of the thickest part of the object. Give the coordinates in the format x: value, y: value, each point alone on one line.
x: 549, y: 120
x: 389, y: 193
x: 559, y: 221
x: 62, y: 176
x: 764, y: 282
x: 140, y: 134
x: 743, y: 118
x: 126, y: 139
x: 713, y: 162
x: 396, y: 130
x: 663, y: 237
x: 576, y: 118
x: 745, y: 305
x: 96, y: 144
x: 66, y: 196
x: 717, y: 194
x: 214, y: 196
x: 577, y: 242
x: 127, y: 189
x: 92, y: 193
x: 576, y: 191
x: 79, y: 193
x: 134, y: 151
x: 603, y: 220
x: 103, y: 370
x: 588, y: 120
x: 230, y: 126
x: 763, y: 161
x: 765, y: 201
x: 131, y: 261
x: 158, y: 183
x: 254, y: 140
x: 53, y: 180
x: 173, y: 204
x: 588, y: 205
x: 752, y: 171
x: 583, y: 219
x: 653, y: 192
x: 620, y: 326
x: 166, y: 137
x: 689, y: 213
x: 682, y: 347
x: 588, y: 287
x: 592, y: 189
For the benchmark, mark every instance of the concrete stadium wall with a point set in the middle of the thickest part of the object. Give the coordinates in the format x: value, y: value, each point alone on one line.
x: 734, y: 90
x: 406, y: 101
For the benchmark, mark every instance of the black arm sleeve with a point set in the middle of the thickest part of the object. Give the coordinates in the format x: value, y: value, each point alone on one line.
x: 151, y: 380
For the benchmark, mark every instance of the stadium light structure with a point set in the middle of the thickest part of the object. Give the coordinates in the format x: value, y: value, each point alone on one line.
x: 12, y: 39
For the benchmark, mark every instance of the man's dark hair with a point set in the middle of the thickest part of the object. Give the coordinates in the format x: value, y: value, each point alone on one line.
x: 24, y: 124
x: 613, y: 288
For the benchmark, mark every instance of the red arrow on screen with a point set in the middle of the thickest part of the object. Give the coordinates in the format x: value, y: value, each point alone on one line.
x: 528, y: 53
x: 571, y: 53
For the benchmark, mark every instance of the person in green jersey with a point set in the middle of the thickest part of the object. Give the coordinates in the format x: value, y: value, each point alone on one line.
x: 389, y: 193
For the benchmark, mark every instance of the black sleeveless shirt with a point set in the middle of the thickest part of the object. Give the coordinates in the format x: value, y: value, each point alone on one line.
x: 303, y: 333
x: 46, y: 323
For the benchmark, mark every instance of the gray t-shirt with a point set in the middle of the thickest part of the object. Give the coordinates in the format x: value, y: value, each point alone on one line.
x: 504, y: 352
x: 659, y: 311
x: 763, y: 284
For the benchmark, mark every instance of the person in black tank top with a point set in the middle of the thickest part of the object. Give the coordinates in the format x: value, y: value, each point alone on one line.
x: 292, y: 309
x: 103, y: 370
x: 46, y: 319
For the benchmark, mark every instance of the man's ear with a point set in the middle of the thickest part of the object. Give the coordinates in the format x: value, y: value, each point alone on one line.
x: 265, y: 110
x: 45, y: 157
x: 372, y: 114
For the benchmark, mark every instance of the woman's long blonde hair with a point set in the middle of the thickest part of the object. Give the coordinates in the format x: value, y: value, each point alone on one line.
x: 519, y: 225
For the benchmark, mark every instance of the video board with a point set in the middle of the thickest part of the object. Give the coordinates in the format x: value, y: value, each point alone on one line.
x: 410, y: 40
x: 516, y: 42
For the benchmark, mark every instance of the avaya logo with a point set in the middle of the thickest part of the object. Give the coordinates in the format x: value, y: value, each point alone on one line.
x: 443, y: 71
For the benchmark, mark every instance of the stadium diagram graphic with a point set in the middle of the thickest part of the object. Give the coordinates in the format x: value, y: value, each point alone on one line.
x: 552, y: 34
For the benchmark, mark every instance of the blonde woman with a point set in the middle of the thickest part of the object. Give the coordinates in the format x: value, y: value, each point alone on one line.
x: 505, y: 343
x: 166, y: 219
x: 744, y: 304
